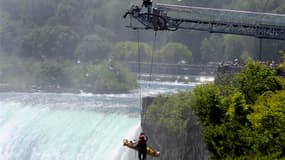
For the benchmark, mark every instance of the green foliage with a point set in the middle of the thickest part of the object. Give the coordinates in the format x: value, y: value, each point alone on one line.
x: 231, y: 46
x: 93, y: 47
x: 257, y: 5
x: 248, y: 128
x: 241, y: 121
x: 107, y: 77
x: 11, y: 34
x: 257, y: 157
x: 58, y: 75
x: 282, y: 55
x: 67, y: 12
x: 13, y: 72
x: 256, y: 79
x: 281, y: 66
x: 237, y: 108
x: 235, y: 46
x: 128, y: 51
x: 169, y: 53
x: 268, y: 118
x: 230, y: 139
x: 52, y: 75
x: 212, y: 48
x: 49, y: 35
x: 170, y: 112
x: 174, y: 52
x: 50, y: 42
x: 105, y: 33
x: 224, y: 118
x: 58, y: 27
x: 24, y: 20
x: 30, y: 11
x: 208, y: 104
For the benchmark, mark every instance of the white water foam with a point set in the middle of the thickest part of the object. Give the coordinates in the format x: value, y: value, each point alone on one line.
x: 35, y: 131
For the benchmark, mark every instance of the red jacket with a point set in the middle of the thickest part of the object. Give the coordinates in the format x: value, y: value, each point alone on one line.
x: 142, y: 143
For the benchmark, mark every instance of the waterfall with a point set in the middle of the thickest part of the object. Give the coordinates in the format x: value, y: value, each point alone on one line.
x: 52, y: 126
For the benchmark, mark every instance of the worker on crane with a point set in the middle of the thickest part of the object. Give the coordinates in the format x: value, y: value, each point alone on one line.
x: 147, y: 4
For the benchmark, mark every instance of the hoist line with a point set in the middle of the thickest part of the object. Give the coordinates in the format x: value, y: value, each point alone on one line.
x: 139, y: 68
x: 139, y: 63
x: 152, y: 52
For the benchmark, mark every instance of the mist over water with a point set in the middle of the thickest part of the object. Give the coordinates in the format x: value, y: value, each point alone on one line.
x: 50, y: 126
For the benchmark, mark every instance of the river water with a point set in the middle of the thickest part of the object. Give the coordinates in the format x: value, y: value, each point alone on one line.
x: 52, y: 126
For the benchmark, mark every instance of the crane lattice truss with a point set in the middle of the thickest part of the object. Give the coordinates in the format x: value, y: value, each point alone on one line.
x: 174, y: 17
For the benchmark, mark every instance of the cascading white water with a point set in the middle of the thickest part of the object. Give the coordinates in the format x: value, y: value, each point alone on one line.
x: 31, y: 130
x: 50, y: 126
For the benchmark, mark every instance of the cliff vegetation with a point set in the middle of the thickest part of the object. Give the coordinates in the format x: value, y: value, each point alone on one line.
x: 241, y: 119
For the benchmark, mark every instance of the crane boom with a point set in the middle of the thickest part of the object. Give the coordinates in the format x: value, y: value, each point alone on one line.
x: 173, y: 17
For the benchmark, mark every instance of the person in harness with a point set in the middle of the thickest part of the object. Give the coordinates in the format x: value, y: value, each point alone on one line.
x: 147, y: 4
x: 142, y: 146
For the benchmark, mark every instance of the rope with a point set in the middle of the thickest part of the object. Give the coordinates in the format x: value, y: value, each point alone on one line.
x: 153, y: 49
x: 139, y: 69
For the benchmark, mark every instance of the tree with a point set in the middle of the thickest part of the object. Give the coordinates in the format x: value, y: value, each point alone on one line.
x: 93, y: 47
x: 212, y: 49
x: 256, y: 79
x: 208, y: 104
x: 11, y: 34
x: 107, y: 77
x: 237, y: 108
x: 128, y: 51
x: 50, y: 42
x: 66, y: 12
x: 280, y: 9
x: 268, y: 118
x: 235, y: 125
x: 257, y: 5
x: 13, y: 71
x: 235, y: 46
x: 52, y: 75
x: 170, y: 112
x: 31, y: 12
x: 174, y: 52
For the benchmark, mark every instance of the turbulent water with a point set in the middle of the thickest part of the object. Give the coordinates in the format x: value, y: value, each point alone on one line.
x: 50, y: 126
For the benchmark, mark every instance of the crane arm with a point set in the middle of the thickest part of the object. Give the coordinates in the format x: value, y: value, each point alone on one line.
x: 173, y: 17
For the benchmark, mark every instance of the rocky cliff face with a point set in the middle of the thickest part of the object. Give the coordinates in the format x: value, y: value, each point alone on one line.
x: 188, y: 145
